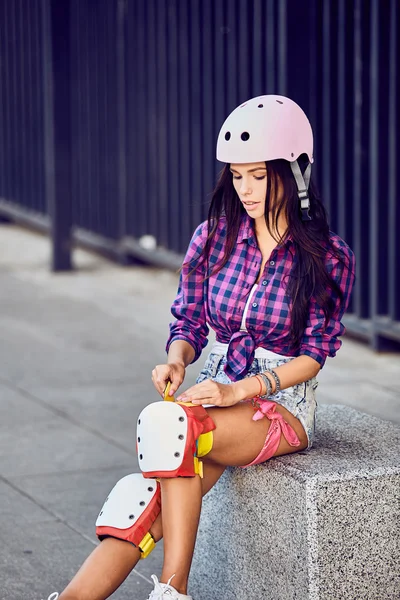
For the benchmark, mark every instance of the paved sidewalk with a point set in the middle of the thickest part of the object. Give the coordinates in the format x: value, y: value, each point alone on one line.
x: 76, y: 354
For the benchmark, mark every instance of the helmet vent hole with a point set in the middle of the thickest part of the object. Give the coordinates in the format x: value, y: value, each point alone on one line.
x: 241, y: 106
x: 260, y: 106
x: 279, y: 102
x: 245, y: 136
x: 228, y: 136
x: 292, y: 154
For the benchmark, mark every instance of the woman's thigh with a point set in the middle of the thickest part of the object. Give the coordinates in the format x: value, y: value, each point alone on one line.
x: 238, y: 439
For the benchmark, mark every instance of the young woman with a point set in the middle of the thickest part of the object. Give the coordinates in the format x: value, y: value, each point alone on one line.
x: 268, y: 276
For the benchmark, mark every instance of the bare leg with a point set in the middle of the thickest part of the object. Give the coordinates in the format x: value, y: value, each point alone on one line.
x: 181, y: 497
x: 111, y: 561
x: 181, y: 502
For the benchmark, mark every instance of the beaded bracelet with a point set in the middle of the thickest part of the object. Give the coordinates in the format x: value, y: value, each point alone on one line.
x: 268, y: 386
x: 276, y: 378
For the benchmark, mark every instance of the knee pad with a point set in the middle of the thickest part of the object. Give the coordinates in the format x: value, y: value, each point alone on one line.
x: 130, y: 510
x: 167, y: 439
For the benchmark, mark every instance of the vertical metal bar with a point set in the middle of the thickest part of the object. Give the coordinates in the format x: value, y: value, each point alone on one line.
x: 358, y: 150
x: 312, y: 62
x: 184, y: 138
x: 282, y: 47
x: 30, y: 142
x: 231, y: 34
x: 15, y: 180
x: 222, y: 107
x: 326, y: 108
x: 152, y: 90
x: 257, y: 65
x: 162, y: 116
x: 56, y: 84
x: 21, y: 55
x: 121, y: 115
x: 173, y: 150
x: 372, y: 170
x: 341, y: 122
x: 270, y: 43
x: 243, y: 49
x: 137, y: 115
x: 38, y: 104
x: 208, y: 107
x: 196, y: 139
x: 361, y: 214
x: 394, y: 171
x: 3, y: 88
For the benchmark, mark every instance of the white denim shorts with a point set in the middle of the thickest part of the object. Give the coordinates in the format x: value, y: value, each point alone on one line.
x: 298, y: 399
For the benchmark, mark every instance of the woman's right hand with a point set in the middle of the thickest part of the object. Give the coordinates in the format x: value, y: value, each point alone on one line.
x: 173, y: 372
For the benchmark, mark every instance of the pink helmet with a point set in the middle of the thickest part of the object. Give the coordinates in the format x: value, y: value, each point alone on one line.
x: 267, y: 128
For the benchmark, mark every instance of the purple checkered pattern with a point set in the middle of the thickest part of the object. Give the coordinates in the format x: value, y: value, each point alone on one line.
x: 219, y: 301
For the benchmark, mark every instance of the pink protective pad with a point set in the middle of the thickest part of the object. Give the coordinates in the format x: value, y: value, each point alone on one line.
x: 266, y: 408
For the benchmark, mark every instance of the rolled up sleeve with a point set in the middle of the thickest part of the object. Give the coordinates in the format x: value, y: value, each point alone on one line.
x: 188, y: 307
x: 321, y: 339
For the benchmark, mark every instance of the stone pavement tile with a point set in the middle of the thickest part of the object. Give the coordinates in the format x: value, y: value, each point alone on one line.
x: 355, y: 361
x: 77, y: 498
x: 26, y: 359
x: 34, y: 440
x: 44, y: 557
x: 363, y: 396
x: 111, y: 409
x: 18, y: 509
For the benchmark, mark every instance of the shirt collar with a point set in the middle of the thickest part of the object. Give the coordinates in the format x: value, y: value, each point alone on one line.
x: 246, y: 232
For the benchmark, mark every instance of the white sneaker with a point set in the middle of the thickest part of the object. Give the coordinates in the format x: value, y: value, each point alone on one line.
x: 164, y: 590
x: 53, y: 596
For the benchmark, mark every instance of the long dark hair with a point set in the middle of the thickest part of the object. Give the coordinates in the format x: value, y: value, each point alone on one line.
x: 309, y: 277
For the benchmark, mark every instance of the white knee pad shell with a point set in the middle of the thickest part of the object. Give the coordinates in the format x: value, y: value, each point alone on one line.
x: 167, y: 434
x: 130, y: 510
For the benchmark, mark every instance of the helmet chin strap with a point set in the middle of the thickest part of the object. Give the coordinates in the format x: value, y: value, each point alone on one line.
x: 302, y: 181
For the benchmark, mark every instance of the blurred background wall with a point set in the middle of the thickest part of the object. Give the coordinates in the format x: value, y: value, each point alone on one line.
x: 110, y: 110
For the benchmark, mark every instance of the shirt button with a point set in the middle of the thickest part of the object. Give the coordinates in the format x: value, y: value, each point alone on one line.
x: 255, y: 304
x: 265, y: 282
x: 272, y: 262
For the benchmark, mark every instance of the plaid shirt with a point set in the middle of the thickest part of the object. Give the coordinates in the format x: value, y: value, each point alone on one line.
x: 219, y: 301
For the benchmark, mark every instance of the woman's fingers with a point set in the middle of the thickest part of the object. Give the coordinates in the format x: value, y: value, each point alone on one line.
x: 161, y: 374
x: 160, y: 377
x: 205, y: 392
x: 209, y: 392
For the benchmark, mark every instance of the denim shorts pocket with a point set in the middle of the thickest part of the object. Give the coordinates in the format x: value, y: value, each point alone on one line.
x: 211, y: 366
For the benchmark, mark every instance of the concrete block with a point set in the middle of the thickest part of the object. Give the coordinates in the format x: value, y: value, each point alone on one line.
x: 322, y: 524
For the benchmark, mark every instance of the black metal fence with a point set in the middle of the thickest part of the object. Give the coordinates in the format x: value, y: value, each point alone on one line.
x: 110, y: 109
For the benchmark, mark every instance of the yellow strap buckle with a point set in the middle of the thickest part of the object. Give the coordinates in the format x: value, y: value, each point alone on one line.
x: 198, y: 466
x: 146, y: 545
x: 167, y: 397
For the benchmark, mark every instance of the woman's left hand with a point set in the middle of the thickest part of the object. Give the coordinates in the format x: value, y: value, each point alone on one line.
x: 210, y: 392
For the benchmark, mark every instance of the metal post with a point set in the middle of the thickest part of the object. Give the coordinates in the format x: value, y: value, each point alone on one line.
x: 56, y: 87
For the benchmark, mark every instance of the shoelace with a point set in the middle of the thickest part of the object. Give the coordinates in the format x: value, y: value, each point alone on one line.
x: 53, y: 596
x: 159, y: 592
